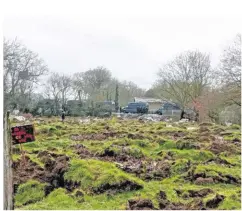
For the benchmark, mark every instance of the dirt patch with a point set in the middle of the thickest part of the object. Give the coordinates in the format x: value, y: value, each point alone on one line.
x: 94, y: 136
x: 162, y: 199
x: 147, y: 170
x: 157, y: 170
x: 204, y: 138
x: 200, y: 193
x: 179, y: 192
x: 220, y: 146
x: 196, y: 204
x: 231, y: 180
x: 198, y: 179
x: 162, y: 195
x: 186, y: 144
x: 236, y: 140
x: 117, y: 188
x: 218, y: 130
x: 71, y: 185
x: 213, y: 203
x: 108, y: 152
x: 140, y: 204
x: 203, y: 129
x: 82, y: 151
x: 176, y: 135
x: 226, y: 133
x: 207, y: 124
x: 219, y: 161
x: 135, y: 136
x: 201, y: 178
x: 106, y: 135
x: 135, y: 166
x: 48, y: 189
x: 79, y: 194
x: 165, y: 204
x: 52, y: 173
x: 25, y: 169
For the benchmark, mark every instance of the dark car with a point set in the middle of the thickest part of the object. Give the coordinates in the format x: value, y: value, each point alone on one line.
x: 172, y: 109
x: 136, y: 108
x: 168, y: 108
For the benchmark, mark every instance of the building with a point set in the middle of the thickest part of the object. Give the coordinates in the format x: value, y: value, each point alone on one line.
x: 154, y: 104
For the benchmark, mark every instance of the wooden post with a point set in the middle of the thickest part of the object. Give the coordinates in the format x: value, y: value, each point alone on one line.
x: 8, y: 175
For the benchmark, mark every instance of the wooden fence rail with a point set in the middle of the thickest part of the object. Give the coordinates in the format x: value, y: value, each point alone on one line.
x: 8, y: 175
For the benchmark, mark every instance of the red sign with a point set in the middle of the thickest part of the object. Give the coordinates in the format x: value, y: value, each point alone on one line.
x: 22, y: 134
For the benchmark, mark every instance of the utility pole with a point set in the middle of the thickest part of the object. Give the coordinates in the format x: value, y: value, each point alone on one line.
x: 8, y: 175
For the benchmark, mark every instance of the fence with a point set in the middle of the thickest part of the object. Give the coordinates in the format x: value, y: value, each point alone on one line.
x: 8, y: 175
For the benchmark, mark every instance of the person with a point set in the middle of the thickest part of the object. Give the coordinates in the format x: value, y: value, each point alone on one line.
x: 63, y: 116
x: 182, y: 114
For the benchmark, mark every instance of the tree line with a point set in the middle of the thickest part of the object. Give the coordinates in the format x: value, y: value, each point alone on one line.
x: 24, y: 68
x: 188, y: 80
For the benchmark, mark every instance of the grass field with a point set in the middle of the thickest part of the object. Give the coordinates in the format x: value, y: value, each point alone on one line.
x: 129, y: 164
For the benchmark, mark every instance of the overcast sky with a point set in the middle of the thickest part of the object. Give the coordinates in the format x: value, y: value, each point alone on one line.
x: 130, y: 38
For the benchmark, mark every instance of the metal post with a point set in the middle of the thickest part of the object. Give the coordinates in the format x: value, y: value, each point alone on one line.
x: 8, y: 175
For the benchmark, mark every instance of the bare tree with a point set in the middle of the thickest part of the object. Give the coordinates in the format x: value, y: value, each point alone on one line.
x: 231, y: 62
x: 78, y: 85
x: 97, y: 77
x: 21, y: 67
x: 185, y: 77
x: 52, y: 89
x: 58, y: 88
x: 65, y: 88
x: 96, y: 80
x: 109, y: 89
x: 230, y: 71
x: 128, y: 90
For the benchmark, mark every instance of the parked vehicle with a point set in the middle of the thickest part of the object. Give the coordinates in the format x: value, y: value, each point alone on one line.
x: 169, y: 109
x: 104, y: 109
x: 106, y: 105
x: 136, y: 108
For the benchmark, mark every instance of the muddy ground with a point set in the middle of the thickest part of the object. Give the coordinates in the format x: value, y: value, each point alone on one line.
x: 129, y: 164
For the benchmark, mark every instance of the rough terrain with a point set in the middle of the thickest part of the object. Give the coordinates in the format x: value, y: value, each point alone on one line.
x: 128, y: 164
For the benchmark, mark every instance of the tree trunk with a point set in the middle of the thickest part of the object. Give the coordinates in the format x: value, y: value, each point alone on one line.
x: 63, y: 100
x: 79, y: 95
x: 92, y: 103
x: 197, y: 116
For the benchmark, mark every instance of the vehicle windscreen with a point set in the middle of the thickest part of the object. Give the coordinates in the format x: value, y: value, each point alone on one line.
x: 132, y: 105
